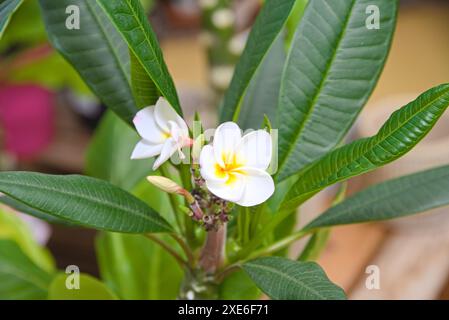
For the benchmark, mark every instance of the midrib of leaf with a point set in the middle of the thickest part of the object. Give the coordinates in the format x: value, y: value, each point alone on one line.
x: 79, y: 196
x: 397, y: 191
x: 375, y: 143
x: 288, y: 277
x: 23, y: 276
x: 320, y: 87
x: 108, y: 41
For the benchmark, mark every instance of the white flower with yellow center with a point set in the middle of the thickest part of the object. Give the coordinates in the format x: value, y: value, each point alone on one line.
x: 163, y: 133
x: 234, y: 167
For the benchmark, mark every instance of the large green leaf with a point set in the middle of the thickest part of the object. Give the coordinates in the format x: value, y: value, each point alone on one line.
x: 7, y: 9
x: 21, y: 207
x: 263, y: 91
x: 12, y: 227
x: 131, y: 21
x: 293, y: 20
x: 82, y: 200
x: 391, y: 199
x: 283, y: 279
x: 89, y: 289
x: 136, y: 268
x: 405, y: 128
x: 96, y: 51
x: 266, y: 28
x: 20, y: 278
x: 332, y: 67
x: 109, y: 153
x: 144, y: 90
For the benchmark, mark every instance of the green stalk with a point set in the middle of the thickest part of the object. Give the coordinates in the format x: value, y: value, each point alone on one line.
x: 188, y: 222
x: 173, y: 199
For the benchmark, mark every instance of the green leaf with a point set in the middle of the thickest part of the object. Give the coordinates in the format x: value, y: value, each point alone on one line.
x: 294, y: 19
x: 263, y: 91
x: 131, y: 21
x: 267, y: 26
x: 21, y: 207
x: 82, y: 200
x: 238, y: 286
x: 283, y: 279
x: 157, y: 199
x: 20, y: 278
x: 90, y: 289
x: 136, y: 268
x: 332, y: 67
x: 144, y: 90
x: 391, y: 199
x: 25, y: 27
x: 7, y: 9
x: 315, y: 245
x: 402, y: 131
x: 95, y: 50
x: 108, y: 156
x: 12, y: 227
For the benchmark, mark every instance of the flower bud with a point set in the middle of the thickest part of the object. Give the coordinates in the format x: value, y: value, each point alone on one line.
x: 166, y: 184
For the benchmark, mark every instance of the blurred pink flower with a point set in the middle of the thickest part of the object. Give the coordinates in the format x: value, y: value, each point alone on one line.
x: 26, y: 119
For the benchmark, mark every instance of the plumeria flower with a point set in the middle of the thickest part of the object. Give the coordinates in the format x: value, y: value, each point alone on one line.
x: 163, y: 133
x: 234, y: 167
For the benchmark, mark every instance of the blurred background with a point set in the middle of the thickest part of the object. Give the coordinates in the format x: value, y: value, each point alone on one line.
x: 47, y: 117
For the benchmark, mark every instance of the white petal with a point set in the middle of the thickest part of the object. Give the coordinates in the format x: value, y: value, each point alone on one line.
x: 146, y: 126
x: 226, y: 138
x: 167, y: 151
x: 255, y: 149
x: 228, y: 191
x: 164, y: 113
x: 208, y: 165
x: 259, y: 186
x: 145, y: 149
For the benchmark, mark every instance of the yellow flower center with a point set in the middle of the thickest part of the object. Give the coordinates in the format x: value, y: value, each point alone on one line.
x: 166, y: 135
x: 231, y: 168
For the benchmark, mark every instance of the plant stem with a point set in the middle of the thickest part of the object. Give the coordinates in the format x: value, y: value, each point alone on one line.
x: 212, y: 254
x: 173, y: 198
x: 185, y: 248
x: 188, y: 222
x: 226, y: 272
x: 169, y: 249
x: 260, y: 236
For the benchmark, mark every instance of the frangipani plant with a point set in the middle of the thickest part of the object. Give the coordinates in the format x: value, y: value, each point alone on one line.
x: 215, y: 221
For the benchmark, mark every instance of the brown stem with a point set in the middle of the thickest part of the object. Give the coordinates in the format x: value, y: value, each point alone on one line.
x: 212, y: 255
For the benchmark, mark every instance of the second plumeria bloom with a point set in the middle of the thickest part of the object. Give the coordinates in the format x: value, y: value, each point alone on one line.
x: 235, y: 167
x: 163, y: 133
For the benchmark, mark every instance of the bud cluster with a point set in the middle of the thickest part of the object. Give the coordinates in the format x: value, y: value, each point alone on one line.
x: 215, y: 210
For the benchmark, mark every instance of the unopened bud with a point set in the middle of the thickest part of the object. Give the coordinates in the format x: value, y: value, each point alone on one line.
x: 166, y: 184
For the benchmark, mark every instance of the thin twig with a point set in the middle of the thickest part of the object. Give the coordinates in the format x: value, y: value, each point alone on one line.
x: 185, y: 248
x: 169, y: 249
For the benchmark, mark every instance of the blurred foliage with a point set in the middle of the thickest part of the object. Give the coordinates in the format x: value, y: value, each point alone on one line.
x: 15, y: 229
x: 26, y: 32
x: 90, y: 289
